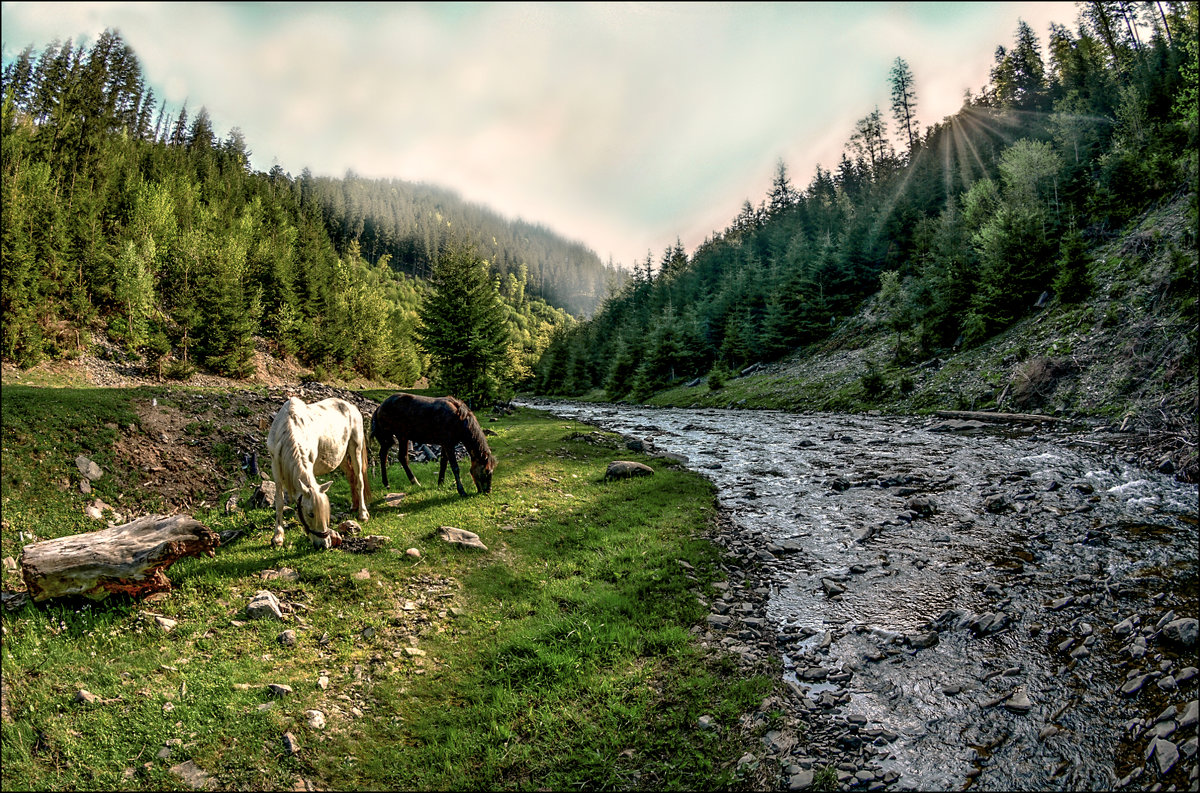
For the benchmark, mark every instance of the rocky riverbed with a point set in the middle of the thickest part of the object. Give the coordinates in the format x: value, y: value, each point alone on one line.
x: 955, y: 606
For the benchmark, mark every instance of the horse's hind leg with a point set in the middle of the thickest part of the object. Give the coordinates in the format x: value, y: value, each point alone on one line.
x: 356, y: 475
x: 403, y: 454
x: 442, y: 470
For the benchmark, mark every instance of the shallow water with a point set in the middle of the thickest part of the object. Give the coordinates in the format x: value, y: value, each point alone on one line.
x: 825, y: 494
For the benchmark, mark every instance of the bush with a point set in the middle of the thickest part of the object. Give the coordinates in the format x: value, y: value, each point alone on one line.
x: 180, y: 370
x: 716, y: 379
x: 873, y: 383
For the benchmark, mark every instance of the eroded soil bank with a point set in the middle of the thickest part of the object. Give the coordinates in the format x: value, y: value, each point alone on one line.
x: 995, y: 608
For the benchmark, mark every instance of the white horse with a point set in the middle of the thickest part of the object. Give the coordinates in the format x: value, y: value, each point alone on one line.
x: 305, y: 442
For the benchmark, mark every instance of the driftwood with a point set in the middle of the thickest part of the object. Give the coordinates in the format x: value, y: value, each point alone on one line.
x: 129, y: 558
x: 982, y: 415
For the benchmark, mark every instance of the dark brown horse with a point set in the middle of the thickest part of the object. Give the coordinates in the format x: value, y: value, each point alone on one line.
x: 446, y: 421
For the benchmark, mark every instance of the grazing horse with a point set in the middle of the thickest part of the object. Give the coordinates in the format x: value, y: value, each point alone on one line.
x: 445, y: 421
x: 305, y: 442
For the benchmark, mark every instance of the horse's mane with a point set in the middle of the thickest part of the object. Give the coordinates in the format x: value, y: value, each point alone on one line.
x: 475, y: 437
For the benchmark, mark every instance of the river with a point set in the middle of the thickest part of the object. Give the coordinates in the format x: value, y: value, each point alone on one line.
x: 995, y: 608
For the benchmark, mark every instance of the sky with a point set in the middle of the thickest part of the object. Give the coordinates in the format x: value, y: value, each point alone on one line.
x: 624, y: 126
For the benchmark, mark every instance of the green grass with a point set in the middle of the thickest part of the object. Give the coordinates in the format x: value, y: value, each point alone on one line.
x: 560, y: 658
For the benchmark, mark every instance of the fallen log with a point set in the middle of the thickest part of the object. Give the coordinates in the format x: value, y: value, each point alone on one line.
x: 129, y: 558
x: 982, y: 415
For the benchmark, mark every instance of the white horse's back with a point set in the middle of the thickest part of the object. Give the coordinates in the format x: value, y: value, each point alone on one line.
x: 306, y: 441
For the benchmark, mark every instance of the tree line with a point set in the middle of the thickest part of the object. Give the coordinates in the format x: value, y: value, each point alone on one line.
x: 124, y: 217
x: 956, y: 230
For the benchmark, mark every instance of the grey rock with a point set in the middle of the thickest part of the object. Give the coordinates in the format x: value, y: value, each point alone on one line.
x: 1134, y: 685
x: 88, y: 468
x: 316, y: 719
x: 1182, y: 631
x: 1166, y: 753
x: 1188, y: 719
x: 1185, y: 674
x: 923, y: 640
x: 1125, y: 626
x: 263, y: 495
x: 279, y: 689
x: 1019, y: 702
x: 194, y: 776
x: 801, y: 781
x: 288, y: 638
x: 461, y: 537
x: 832, y: 587
x: 289, y: 744
x: 625, y: 469
x: 264, y: 605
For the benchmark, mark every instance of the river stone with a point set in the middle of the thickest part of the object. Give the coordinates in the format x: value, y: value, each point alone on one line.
x: 923, y: 640
x: 264, y: 605
x: 1125, y: 626
x: 88, y: 468
x: 467, y: 539
x: 997, y: 503
x: 922, y: 505
x: 1188, y: 719
x: 832, y: 587
x: 1166, y: 753
x: 1182, y: 631
x: 1134, y: 685
x: 624, y: 469
x: 801, y: 781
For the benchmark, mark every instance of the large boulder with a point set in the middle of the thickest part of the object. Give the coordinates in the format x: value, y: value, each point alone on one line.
x: 625, y: 469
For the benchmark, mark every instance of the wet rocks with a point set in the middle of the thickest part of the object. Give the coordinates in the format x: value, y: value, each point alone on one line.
x: 1182, y: 631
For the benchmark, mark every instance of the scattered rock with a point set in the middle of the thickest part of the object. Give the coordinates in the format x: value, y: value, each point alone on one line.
x: 88, y: 468
x: 1182, y: 631
x: 466, y: 539
x: 289, y: 744
x: 263, y: 495
x: 316, y: 719
x: 166, y: 624
x: 394, y: 499
x: 279, y: 689
x: 413, y: 552
x: 624, y: 469
x: 288, y: 638
x: 264, y: 605
x: 194, y: 776
x: 361, y: 575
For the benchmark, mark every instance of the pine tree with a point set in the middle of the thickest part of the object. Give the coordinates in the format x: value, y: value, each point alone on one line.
x: 904, y: 103
x: 462, y: 326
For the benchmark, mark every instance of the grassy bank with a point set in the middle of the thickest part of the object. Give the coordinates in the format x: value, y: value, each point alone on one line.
x: 561, y: 657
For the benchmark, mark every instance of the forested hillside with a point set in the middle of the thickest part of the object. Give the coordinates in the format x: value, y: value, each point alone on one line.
x: 409, y: 223
x: 960, y: 227
x: 123, y: 216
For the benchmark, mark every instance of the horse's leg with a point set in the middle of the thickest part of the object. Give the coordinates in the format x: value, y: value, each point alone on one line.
x: 454, y: 465
x: 403, y: 453
x: 280, y: 500
x: 385, y: 445
x: 442, y: 470
x: 355, y: 470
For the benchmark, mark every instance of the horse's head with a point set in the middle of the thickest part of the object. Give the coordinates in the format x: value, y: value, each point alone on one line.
x: 481, y: 472
x: 312, y: 509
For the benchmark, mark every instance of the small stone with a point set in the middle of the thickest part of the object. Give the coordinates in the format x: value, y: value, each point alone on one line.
x: 466, y: 539
x: 1182, y: 631
x: 832, y: 587
x: 1188, y: 719
x: 706, y: 723
x: 362, y: 575
x: 923, y: 640
x: 1134, y: 685
x: 264, y: 605
x: 287, y: 638
x: 166, y: 624
x: 88, y: 468
x: 279, y: 689
x: 624, y: 469
x: 414, y: 553
x: 1166, y: 753
x: 323, y: 682
x: 316, y: 719
x: 85, y: 697
x: 414, y: 652
x: 195, y: 777
x: 289, y: 744
x: 1019, y: 703
x: 802, y: 780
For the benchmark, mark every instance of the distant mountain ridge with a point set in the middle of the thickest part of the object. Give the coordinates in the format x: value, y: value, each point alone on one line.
x: 408, y: 221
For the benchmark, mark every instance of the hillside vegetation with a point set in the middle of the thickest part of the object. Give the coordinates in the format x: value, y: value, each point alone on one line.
x: 1036, y: 250
x: 126, y: 219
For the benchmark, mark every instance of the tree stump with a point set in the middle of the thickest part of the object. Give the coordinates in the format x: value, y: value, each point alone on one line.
x: 129, y: 558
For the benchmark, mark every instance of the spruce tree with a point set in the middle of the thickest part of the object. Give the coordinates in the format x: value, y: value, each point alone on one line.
x: 462, y: 326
